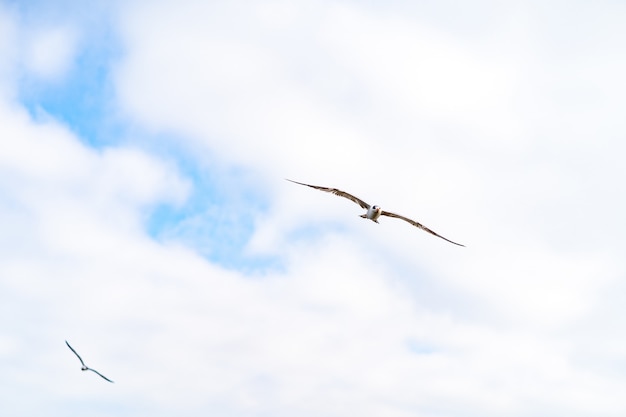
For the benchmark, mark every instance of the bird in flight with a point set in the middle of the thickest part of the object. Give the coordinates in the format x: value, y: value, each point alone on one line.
x: 374, y: 212
x: 85, y: 367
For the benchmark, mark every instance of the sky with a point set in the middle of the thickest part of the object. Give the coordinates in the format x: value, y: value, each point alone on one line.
x: 145, y: 217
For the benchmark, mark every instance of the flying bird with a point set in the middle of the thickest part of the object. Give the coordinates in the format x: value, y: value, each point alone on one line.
x: 374, y: 212
x: 85, y: 367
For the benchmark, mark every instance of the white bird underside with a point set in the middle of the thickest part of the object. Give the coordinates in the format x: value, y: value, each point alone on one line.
x: 374, y: 212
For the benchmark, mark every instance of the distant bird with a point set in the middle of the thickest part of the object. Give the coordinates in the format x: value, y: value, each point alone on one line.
x: 84, y: 367
x: 373, y: 212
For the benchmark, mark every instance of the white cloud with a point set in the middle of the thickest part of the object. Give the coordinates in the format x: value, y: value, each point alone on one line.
x: 49, y: 53
x: 8, y: 50
x: 362, y: 319
x: 420, y: 70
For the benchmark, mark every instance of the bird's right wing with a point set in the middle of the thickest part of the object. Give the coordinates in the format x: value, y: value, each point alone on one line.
x: 340, y: 193
x: 77, y: 355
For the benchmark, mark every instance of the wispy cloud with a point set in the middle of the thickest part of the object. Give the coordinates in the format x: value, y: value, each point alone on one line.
x: 49, y: 52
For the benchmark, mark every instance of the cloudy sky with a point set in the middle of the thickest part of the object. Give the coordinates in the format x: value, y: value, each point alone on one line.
x: 144, y: 215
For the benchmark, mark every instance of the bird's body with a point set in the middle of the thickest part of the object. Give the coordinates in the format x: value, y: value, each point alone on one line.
x: 373, y: 211
x: 83, y: 366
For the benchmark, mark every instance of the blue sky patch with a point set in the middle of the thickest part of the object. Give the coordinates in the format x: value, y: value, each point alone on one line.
x: 83, y: 99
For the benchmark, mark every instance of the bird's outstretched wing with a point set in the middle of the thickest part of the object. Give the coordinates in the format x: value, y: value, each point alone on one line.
x: 340, y: 193
x: 93, y: 370
x: 416, y: 224
x: 77, y: 355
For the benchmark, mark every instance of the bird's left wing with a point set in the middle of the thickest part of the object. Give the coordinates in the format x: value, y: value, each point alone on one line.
x: 100, y: 375
x: 416, y: 224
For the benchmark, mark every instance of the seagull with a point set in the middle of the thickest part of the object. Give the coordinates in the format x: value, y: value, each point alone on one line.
x: 373, y: 212
x: 84, y: 367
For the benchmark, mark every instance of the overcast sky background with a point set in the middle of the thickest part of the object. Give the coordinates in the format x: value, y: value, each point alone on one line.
x: 144, y: 215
